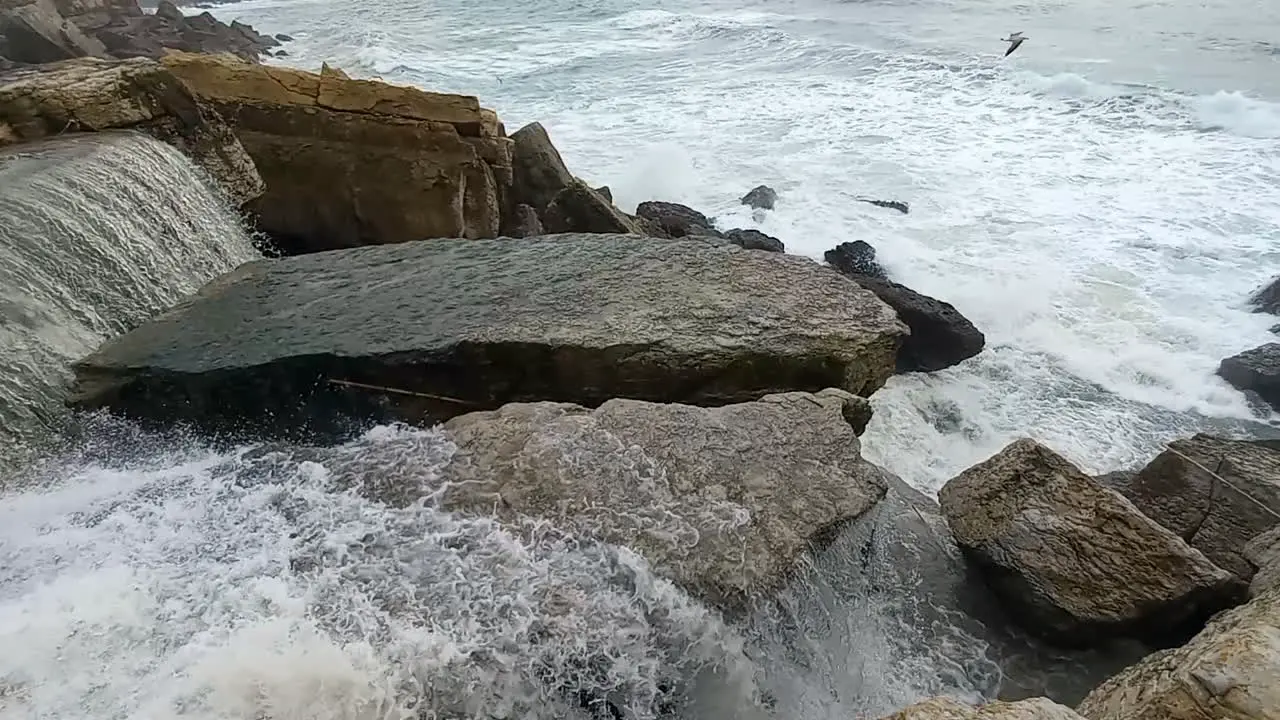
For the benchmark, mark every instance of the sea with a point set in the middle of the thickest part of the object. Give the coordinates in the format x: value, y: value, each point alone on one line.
x: 1101, y: 204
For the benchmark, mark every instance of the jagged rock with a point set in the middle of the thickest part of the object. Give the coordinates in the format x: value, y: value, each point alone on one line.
x: 579, y: 209
x: 760, y: 197
x: 647, y: 227
x: 357, y: 162
x: 1226, y: 672
x: 1075, y: 561
x: 1256, y: 370
x: 754, y: 240
x: 676, y: 219
x: 855, y: 258
x: 891, y: 204
x: 93, y: 15
x: 33, y: 31
x: 720, y: 512
x: 89, y: 94
x: 1218, y: 520
x: 944, y: 708
x: 1267, y: 298
x: 573, y: 318
x: 940, y: 335
x: 604, y: 192
x: 326, y: 70
x: 1263, y: 553
x: 539, y: 173
x: 525, y: 223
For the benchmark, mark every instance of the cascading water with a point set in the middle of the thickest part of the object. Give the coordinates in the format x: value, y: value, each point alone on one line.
x: 97, y: 233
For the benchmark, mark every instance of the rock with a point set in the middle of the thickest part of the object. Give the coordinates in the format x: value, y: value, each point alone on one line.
x: 284, y: 38
x: 754, y: 240
x: 327, y: 70
x: 1226, y: 672
x: 604, y: 192
x: 891, y: 204
x: 579, y: 209
x: 720, y: 511
x: 943, y: 708
x: 855, y: 258
x: 357, y: 162
x: 1075, y: 561
x: 760, y: 197
x: 1263, y: 553
x: 1183, y: 495
x: 571, y: 318
x: 89, y: 94
x: 1256, y: 370
x: 676, y: 219
x: 526, y: 223
x: 539, y: 173
x: 33, y: 31
x: 647, y: 227
x: 940, y: 335
x: 169, y: 11
x: 1267, y: 298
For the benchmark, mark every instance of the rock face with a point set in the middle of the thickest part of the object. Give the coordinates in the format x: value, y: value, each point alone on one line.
x: 1227, y: 672
x: 1074, y: 560
x: 90, y: 94
x: 575, y: 318
x: 1183, y: 495
x: 947, y: 709
x: 761, y: 197
x: 1263, y: 552
x: 722, y: 500
x: 854, y: 259
x: 1256, y: 371
x: 940, y: 335
x: 354, y: 162
x: 754, y: 240
x: 677, y: 220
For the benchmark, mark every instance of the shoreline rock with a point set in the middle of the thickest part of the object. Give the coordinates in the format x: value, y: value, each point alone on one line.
x: 944, y: 708
x: 760, y: 197
x: 1255, y: 371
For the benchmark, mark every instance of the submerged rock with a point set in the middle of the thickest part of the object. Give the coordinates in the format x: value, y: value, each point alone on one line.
x: 677, y: 220
x: 891, y: 204
x: 90, y: 94
x: 754, y: 240
x: 356, y: 162
x: 1075, y: 561
x: 1217, y: 519
x: 761, y: 197
x: 477, y: 324
x: 854, y: 259
x: 727, y: 498
x: 1228, y: 671
x: 1257, y: 371
x: 947, y: 709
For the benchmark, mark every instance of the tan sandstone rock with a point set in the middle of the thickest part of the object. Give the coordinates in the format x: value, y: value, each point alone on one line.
x: 91, y: 94
x: 357, y: 162
x: 1230, y: 671
x: 723, y: 500
x: 1263, y: 553
x: 1077, y: 561
x: 947, y: 709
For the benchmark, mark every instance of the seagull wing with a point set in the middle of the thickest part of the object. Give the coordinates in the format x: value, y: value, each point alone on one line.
x: 1014, y: 42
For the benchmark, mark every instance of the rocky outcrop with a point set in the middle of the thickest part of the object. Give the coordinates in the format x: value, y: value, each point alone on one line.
x: 1227, y: 672
x: 34, y: 31
x: 760, y: 197
x: 723, y: 513
x: 1267, y: 298
x: 538, y: 171
x: 944, y: 708
x: 578, y: 208
x: 1263, y: 553
x: 1182, y: 489
x: 855, y: 259
x: 1075, y: 561
x: 754, y: 240
x: 472, y: 325
x: 677, y: 220
x: 90, y: 94
x: 356, y: 162
x: 1255, y: 371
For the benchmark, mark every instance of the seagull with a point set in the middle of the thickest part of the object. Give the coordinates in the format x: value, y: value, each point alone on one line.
x: 1014, y: 40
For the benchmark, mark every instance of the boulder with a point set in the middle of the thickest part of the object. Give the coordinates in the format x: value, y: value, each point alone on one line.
x: 1182, y: 489
x: 1228, y: 671
x: 525, y: 223
x: 472, y: 325
x: 1267, y: 298
x: 1256, y: 371
x: 722, y: 500
x: 944, y: 708
x: 676, y: 219
x: 33, y: 31
x: 754, y: 240
x: 579, y: 209
x: 760, y: 197
x: 854, y: 259
x: 1075, y: 561
x: 90, y: 94
x: 538, y: 171
x: 940, y: 335
x: 1263, y: 553
x: 357, y: 162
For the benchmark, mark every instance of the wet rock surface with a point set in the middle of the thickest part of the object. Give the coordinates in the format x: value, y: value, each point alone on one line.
x: 1255, y: 371
x: 948, y: 709
x: 761, y: 197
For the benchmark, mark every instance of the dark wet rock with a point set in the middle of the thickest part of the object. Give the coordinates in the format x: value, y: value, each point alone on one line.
x: 604, y: 192
x: 761, y: 197
x: 538, y: 171
x: 940, y: 335
x: 754, y: 240
x: 676, y: 219
x: 525, y: 223
x: 283, y: 37
x: 1256, y: 370
x: 1178, y: 489
x: 855, y: 258
x: 1074, y: 561
x: 891, y: 204
x: 579, y: 209
x: 34, y: 31
x: 1267, y: 298
x: 475, y: 324
x: 279, y: 53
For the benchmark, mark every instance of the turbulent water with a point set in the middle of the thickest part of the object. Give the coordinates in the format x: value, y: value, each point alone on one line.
x: 1100, y: 203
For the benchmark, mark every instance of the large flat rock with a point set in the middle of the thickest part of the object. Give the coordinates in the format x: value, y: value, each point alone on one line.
x: 572, y: 318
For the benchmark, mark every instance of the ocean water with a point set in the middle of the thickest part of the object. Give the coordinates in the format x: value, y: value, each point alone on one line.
x: 1101, y: 203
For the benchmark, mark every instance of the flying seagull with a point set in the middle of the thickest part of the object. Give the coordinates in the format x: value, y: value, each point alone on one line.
x: 1014, y: 40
